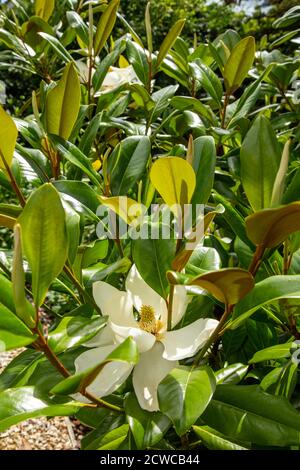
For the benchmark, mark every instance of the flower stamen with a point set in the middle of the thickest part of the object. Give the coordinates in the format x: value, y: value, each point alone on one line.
x: 148, y: 322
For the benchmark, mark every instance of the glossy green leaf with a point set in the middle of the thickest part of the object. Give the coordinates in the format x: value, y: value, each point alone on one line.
x: 13, y: 332
x: 238, y: 64
x: 153, y: 258
x: 247, y: 413
x: 138, y: 59
x: 191, y: 391
x: 278, y: 351
x: 127, y: 163
x: 77, y: 158
x: 260, y: 161
x: 19, y: 404
x: 125, y: 352
x: 169, y: 41
x: 214, y: 440
x: 73, y: 331
x: 60, y: 50
x: 147, y: 428
x: 113, y: 439
x: 44, y: 238
x: 110, y: 428
x: 264, y: 292
x: 8, y: 138
x: 270, y: 227
x: 105, y: 25
x: 203, y: 162
x: 18, y: 281
x: 62, y: 104
x: 202, y: 260
x: 77, y: 23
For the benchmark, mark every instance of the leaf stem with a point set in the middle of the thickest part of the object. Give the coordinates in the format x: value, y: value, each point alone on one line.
x: 215, y: 335
x: 256, y: 260
x: 170, y: 307
x: 226, y: 101
x: 81, y: 289
x: 42, y: 345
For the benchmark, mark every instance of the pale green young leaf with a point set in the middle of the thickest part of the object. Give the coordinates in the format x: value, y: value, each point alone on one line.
x: 44, y: 238
x: 62, y: 104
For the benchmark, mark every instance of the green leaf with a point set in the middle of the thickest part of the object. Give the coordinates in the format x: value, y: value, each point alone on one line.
x: 104, y: 431
x: 260, y: 160
x: 147, y: 428
x: 214, y: 440
x: 153, y: 258
x: 77, y: 158
x: 13, y: 332
x: 79, y: 191
x: 60, y: 50
x: 203, y: 259
x: 191, y: 390
x: 18, y: 371
x: 266, y: 291
x: 203, y: 162
x: 125, y: 352
x: 44, y: 8
x: 293, y: 190
x: 278, y: 351
x: 238, y: 64
x: 8, y: 138
x: 77, y: 23
x: 103, y: 67
x: 73, y: 231
x: 105, y: 25
x: 209, y: 81
x: 175, y: 180
x: 169, y: 41
x: 19, y: 404
x: 270, y: 227
x: 18, y: 281
x: 44, y: 238
x: 113, y: 439
x: 127, y: 163
x: 138, y: 59
x: 62, y: 104
x: 247, y: 413
x: 73, y: 331
x: 192, y: 104
x: 234, y: 219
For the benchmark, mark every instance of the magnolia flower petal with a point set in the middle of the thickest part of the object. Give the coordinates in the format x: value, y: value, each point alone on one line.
x: 180, y: 302
x: 112, y: 374
x: 185, y: 342
x: 114, y: 303
x: 142, y: 294
x: 144, y: 340
x: 148, y: 373
x: 104, y: 337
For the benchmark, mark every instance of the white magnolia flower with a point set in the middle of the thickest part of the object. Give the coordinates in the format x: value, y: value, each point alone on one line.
x: 117, y: 76
x: 160, y: 350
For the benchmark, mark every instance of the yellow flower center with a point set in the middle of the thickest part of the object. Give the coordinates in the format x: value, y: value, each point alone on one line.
x: 148, y: 322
